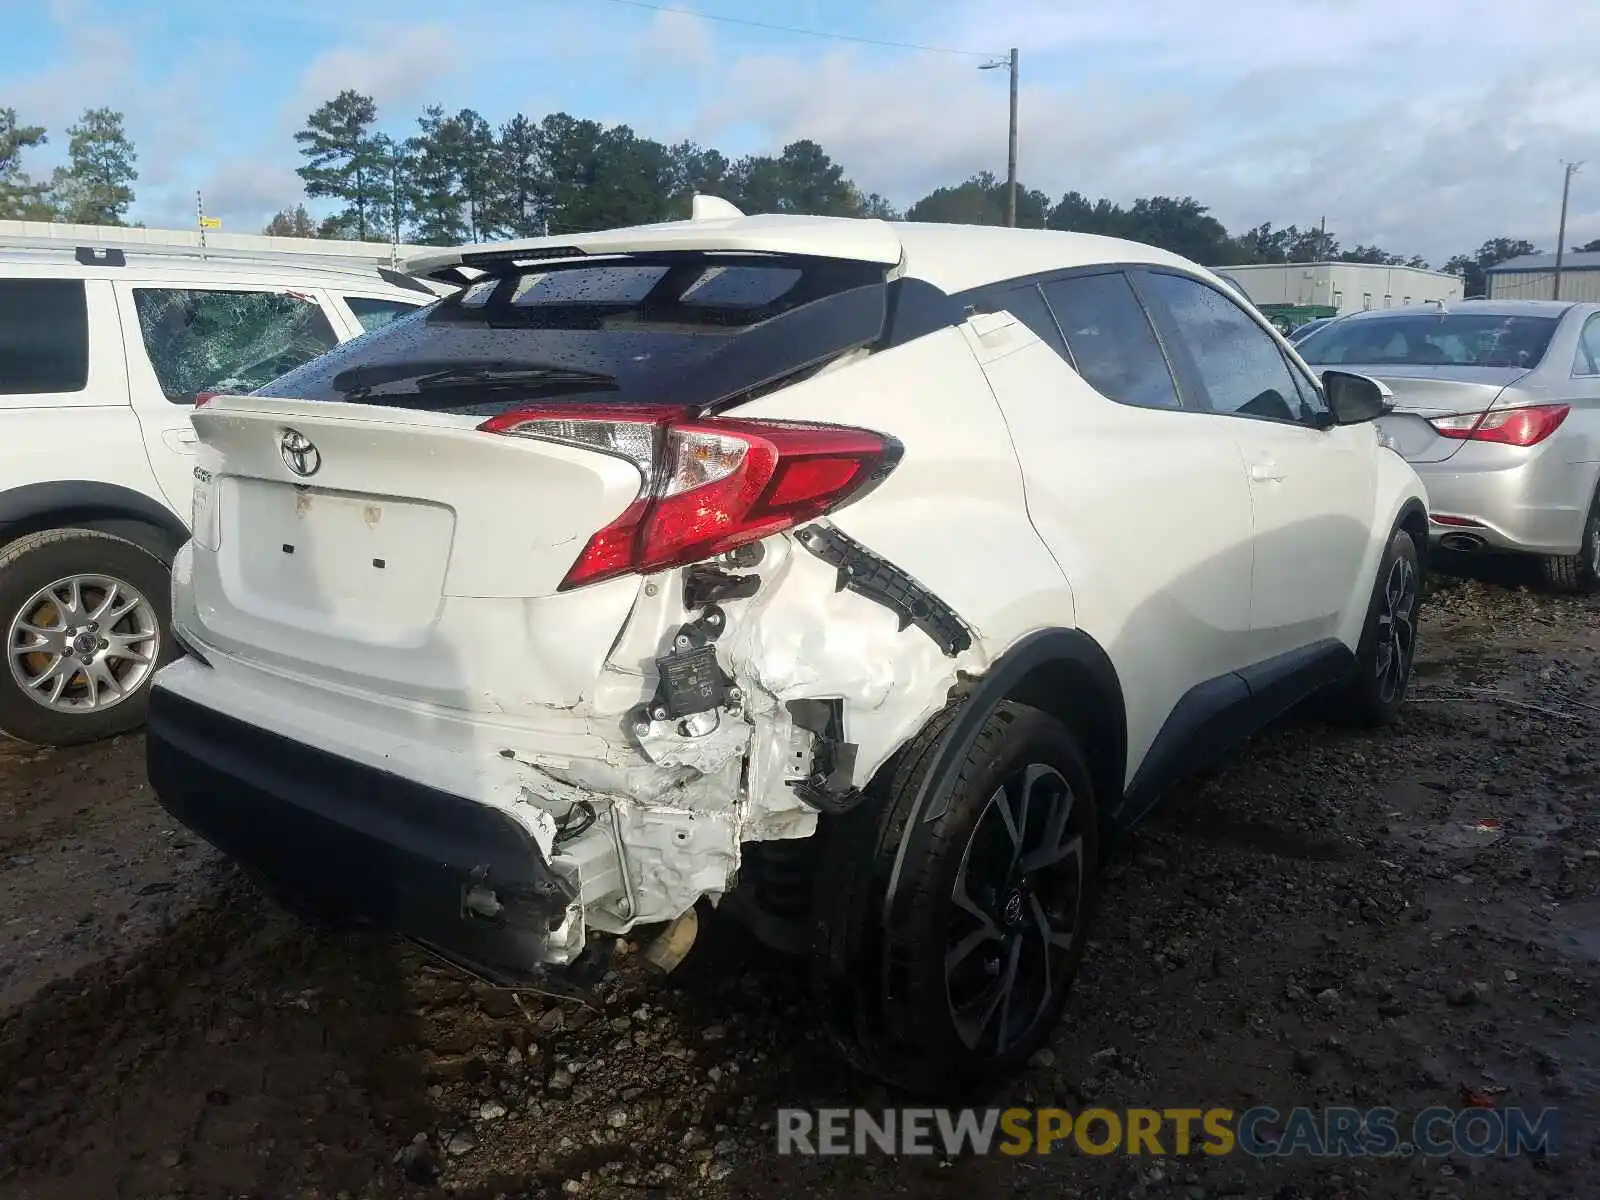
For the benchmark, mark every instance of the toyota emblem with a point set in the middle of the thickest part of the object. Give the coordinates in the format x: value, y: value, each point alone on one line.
x: 299, y: 454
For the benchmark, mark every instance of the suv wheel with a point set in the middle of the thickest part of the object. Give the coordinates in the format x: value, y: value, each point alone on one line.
x: 1388, y: 646
x: 85, y: 617
x: 1578, y: 572
x: 998, y: 897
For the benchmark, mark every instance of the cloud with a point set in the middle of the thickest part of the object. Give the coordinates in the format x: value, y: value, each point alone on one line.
x: 1426, y: 126
x: 672, y: 42
x: 398, y: 70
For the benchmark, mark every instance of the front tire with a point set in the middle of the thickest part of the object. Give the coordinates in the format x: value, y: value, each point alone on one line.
x: 1388, y: 645
x: 972, y: 977
x: 86, y: 622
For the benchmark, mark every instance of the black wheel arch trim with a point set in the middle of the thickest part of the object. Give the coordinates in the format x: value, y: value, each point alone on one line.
x: 1415, y: 507
x: 77, y: 500
x: 1035, y: 650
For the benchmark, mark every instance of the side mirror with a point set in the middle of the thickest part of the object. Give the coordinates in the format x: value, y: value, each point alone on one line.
x: 1355, y: 398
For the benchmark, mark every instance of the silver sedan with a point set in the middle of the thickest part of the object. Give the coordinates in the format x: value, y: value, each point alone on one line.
x: 1497, y: 406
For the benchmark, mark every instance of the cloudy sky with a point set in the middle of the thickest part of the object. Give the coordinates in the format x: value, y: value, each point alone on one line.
x: 1425, y: 126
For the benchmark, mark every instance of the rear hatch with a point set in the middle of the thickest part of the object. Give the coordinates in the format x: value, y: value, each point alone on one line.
x: 381, y: 531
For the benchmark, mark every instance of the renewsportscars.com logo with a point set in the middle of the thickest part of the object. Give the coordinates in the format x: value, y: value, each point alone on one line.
x: 1261, y: 1132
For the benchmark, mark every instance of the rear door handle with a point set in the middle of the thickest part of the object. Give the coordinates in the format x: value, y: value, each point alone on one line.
x: 1266, y: 472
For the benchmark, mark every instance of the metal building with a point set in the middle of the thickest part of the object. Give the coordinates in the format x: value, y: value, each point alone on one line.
x: 1533, y: 277
x: 1344, y: 287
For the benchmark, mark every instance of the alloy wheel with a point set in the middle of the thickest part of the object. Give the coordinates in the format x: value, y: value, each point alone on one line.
x: 1396, y: 629
x: 1016, y: 904
x: 83, y: 643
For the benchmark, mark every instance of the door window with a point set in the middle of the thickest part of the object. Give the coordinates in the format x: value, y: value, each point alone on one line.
x: 44, y: 337
x: 227, y: 341
x: 1239, y: 367
x: 1112, y: 344
x: 374, y: 313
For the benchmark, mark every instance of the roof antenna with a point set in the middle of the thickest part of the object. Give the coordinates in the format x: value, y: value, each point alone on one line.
x: 711, y: 208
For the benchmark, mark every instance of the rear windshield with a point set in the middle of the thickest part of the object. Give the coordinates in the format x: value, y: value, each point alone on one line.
x: 1432, y: 339
x: 690, y: 329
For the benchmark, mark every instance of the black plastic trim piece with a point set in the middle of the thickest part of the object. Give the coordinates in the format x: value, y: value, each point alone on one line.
x: 88, y: 256
x: 1212, y: 718
x: 350, y: 840
x: 401, y: 280
x: 867, y: 574
x: 703, y: 585
x: 1037, y: 650
x: 828, y: 788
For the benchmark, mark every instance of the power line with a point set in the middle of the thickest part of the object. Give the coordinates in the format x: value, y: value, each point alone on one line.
x: 816, y: 33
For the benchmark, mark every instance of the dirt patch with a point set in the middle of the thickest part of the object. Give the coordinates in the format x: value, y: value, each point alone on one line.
x: 1398, y: 919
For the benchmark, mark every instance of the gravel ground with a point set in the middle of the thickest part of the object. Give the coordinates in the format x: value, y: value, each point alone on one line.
x: 1408, y: 918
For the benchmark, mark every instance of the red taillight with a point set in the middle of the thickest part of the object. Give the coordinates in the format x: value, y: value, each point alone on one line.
x: 710, y: 485
x: 201, y: 399
x: 1509, y: 426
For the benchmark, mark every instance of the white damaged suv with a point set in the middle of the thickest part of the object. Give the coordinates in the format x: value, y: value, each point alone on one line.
x: 858, y: 577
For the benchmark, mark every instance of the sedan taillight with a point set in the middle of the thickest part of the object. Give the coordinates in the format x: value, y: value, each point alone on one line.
x: 1509, y: 426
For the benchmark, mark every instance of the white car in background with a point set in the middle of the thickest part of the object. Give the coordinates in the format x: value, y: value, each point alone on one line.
x: 854, y: 575
x: 103, y: 354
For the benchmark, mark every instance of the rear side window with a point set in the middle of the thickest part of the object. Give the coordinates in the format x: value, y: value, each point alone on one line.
x: 1112, y: 343
x: 44, y: 337
x: 226, y: 341
x: 1587, y: 360
x: 690, y: 329
x: 374, y: 313
x: 1027, y: 305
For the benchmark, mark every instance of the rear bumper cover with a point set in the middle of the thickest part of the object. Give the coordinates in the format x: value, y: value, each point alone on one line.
x: 1531, y: 504
x: 346, y: 839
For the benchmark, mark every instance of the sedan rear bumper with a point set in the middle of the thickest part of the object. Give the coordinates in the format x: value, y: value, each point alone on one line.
x: 1532, y: 504
x: 461, y: 878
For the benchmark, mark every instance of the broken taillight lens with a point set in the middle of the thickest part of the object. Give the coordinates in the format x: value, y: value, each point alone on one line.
x: 710, y: 485
x: 1526, y: 426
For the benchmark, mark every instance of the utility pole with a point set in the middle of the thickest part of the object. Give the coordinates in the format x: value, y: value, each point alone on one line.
x: 1561, y: 235
x: 1010, y: 64
x: 1011, y: 155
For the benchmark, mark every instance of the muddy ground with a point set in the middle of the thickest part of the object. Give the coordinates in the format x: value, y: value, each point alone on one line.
x: 1408, y: 918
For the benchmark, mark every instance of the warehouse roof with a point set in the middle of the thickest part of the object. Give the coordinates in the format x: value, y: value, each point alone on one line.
x: 1547, y: 262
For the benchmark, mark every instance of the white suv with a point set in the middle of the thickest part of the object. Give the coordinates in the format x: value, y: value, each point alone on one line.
x: 102, y: 356
x: 856, y: 576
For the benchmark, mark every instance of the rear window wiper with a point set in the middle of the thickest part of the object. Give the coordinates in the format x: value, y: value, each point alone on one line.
x: 359, y: 382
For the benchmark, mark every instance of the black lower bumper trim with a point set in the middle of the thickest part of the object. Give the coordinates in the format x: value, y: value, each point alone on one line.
x: 352, y: 841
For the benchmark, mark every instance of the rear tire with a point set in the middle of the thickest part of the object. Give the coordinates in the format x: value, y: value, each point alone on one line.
x: 995, y: 902
x: 1578, y: 572
x: 1388, y: 645
x: 86, y: 622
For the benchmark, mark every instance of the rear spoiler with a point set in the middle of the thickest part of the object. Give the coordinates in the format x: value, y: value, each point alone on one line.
x: 715, y: 226
x: 400, y: 279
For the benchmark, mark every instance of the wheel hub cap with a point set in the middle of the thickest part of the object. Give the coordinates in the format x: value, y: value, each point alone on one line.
x: 1015, y: 910
x: 83, y: 643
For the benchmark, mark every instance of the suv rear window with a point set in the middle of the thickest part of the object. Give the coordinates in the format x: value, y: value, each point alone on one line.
x: 374, y: 313
x: 44, y: 337
x: 227, y: 341
x: 643, y: 329
x: 1432, y: 340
